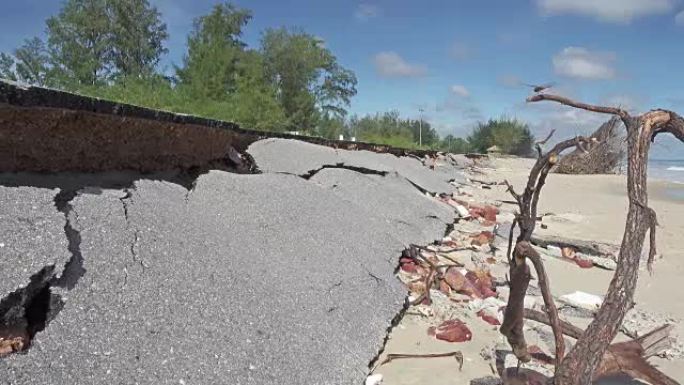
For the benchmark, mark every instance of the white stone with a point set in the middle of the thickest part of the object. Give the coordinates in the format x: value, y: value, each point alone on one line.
x: 582, y: 300
x: 374, y: 379
x: 462, y: 211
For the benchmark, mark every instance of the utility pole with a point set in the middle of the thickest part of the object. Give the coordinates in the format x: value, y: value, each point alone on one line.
x: 420, y: 128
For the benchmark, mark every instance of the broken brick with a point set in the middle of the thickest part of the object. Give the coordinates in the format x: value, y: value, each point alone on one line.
x: 483, y: 238
x: 584, y: 263
x: 455, y: 279
x: 451, y: 331
x: 490, y: 213
x: 410, y: 267
x: 490, y: 319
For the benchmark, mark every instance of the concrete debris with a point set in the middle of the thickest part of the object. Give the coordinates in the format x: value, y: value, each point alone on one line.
x: 582, y: 300
x: 374, y: 379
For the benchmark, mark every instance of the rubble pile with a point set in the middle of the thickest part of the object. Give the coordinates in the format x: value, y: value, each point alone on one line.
x: 461, y: 280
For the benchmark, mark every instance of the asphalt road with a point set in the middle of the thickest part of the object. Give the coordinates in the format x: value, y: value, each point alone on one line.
x: 246, y: 279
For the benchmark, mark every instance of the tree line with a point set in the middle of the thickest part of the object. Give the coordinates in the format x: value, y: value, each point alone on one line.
x: 290, y: 82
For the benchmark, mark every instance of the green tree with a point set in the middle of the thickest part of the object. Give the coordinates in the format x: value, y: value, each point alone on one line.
x: 254, y: 101
x: 137, y: 37
x: 7, y: 67
x: 79, y: 43
x: 510, y: 135
x: 32, y: 62
x: 422, y: 128
x: 214, y: 49
x: 454, y: 145
x: 91, y: 41
x: 307, y: 77
x: 331, y: 126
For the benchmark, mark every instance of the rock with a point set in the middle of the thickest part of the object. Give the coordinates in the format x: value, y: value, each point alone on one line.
x: 374, y: 379
x: 451, y: 331
x: 582, y: 300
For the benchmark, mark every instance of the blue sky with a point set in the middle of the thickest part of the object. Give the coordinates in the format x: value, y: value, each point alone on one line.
x: 464, y: 60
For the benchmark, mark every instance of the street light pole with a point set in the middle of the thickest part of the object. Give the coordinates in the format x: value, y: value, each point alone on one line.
x: 420, y: 128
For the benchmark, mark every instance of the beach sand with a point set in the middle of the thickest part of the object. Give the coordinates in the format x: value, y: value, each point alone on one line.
x: 589, y: 207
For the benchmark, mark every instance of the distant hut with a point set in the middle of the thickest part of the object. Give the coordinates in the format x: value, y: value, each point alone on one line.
x: 494, y: 150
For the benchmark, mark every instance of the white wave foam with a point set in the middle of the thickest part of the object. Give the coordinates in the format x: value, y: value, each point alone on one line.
x: 675, y: 168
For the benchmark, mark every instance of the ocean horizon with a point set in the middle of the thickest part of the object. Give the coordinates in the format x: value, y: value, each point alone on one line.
x: 671, y: 170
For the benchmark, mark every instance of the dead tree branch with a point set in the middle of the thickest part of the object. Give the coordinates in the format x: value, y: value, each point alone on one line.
x: 568, y: 329
x: 582, y: 106
x: 587, y: 355
x: 538, y: 144
x: 519, y: 272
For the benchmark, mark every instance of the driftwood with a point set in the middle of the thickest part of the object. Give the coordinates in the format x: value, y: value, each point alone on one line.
x: 567, y: 328
x: 625, y: 357
x: 397, y: 356
x: 585, y: 359
x: 599, y: 249
x: 603, y: 158
x: 526, y: 219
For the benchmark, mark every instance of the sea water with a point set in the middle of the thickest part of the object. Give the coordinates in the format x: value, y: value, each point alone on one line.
x: 671, y: 170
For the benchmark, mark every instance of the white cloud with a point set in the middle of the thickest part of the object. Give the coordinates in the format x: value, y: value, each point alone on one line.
x: 460, y: 90
x: 614, y: 11
x: 580, y: 63
x: 679, y: 18
x: 460, y: 51
x: 365, y: 12
x: 390, y: 64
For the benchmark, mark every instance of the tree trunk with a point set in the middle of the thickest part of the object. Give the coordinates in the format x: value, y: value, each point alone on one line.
x: 578, y: 366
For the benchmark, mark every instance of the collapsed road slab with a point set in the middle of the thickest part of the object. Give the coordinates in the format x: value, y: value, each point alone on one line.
x: 246, y: 279
x: 276, y: 155
x: 411, y: 216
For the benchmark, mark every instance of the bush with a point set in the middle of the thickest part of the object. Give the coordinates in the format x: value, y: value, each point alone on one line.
x: 510, y: 135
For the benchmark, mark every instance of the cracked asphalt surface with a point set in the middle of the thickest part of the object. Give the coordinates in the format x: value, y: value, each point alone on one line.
x: 246, y: 279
